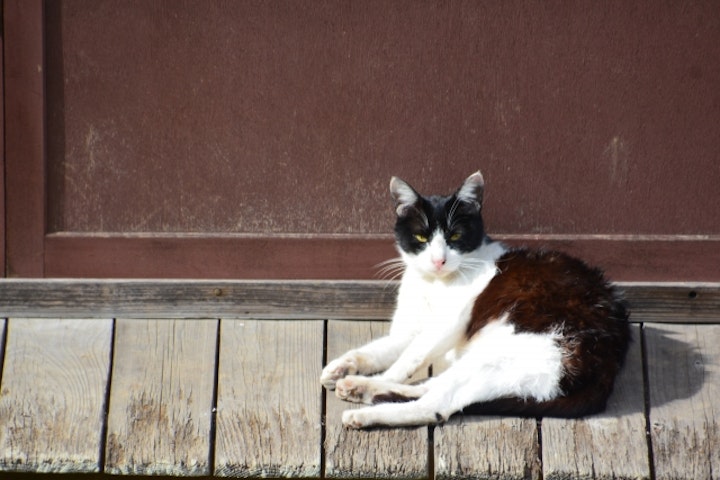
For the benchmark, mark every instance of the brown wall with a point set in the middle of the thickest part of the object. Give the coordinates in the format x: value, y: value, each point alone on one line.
x: 207, y: 136
x: 2, y: 168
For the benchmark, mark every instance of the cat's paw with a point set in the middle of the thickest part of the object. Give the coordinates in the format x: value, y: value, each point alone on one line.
x: 354, y: 389
x: 337, y: 369
x: 357, y: 418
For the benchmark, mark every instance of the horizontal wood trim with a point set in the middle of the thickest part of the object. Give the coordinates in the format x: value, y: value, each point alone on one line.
x: 197, y: 299
x: 372, y: 300
x: 624, y: 258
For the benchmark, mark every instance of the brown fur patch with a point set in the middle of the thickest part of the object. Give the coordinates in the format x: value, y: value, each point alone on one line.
x: 548, y: 291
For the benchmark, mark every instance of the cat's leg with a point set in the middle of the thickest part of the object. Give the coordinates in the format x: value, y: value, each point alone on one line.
x: 435, y: 404
x: 499, y: 364
x: 385, y: 388
x: 369, y: 359
x: 372, y: 390
x: 421, y: 351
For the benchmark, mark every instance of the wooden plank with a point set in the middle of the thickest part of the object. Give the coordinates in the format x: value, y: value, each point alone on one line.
x: 678, y: 302
x: 684, y: 384
x: 53, y: 394
x: 487, y: 447
x: 3, y: 334
x: 199, y: 298
x: 161, y: 398
x: 588, y: 448
x: 269, y: 399
x: 379, y: 453
x: 292, y: 299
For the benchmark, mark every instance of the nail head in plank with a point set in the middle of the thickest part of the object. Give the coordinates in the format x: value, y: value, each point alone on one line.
x: 684, y: 382
x: 161, y: 397
x: 53, y: 394
x: 379, y: 453
x: 268, y: 414
x: 588, y: 447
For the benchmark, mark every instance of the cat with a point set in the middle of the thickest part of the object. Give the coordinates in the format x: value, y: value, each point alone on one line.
x: 525, y: 332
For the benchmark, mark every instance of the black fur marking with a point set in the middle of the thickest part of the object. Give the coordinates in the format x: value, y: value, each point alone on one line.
x: 444, y: 213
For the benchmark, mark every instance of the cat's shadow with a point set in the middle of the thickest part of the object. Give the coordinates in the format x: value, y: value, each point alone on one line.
x: 660, y: 369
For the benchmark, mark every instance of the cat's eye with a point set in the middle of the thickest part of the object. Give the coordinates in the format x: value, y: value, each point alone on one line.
x: 455, y: 237
x: 420, y: 238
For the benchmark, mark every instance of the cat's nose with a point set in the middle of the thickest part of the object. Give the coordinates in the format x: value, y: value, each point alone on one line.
x: 438, y: 262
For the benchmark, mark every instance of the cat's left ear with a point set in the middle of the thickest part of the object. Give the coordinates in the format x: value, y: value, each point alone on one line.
x: 472, y: 190
x: 404, y: 195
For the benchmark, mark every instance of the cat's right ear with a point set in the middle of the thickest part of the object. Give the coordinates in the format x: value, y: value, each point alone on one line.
x: 403, y: 194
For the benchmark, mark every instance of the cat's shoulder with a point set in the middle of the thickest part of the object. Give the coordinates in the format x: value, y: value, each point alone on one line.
x: 539, y: 263
x: 543, y: 273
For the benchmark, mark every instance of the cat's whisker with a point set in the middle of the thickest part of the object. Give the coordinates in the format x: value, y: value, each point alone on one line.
x: 473, y: 265
x: 451, y: 214
x: 390, y: 274
x: 390, y: 269
x: 389, y: 261
x: 462, y: 274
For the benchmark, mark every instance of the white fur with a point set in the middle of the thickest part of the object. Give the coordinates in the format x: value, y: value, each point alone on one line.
x: 403, y: 193
x: 433, y: 310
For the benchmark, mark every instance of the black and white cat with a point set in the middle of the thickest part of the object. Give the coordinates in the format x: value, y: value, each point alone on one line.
x: 532, y: 333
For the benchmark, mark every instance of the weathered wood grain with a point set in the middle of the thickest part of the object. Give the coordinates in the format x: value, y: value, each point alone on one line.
x: 487, y: 447
x: 682, y: 302
x: 269, y: 399
x: 53, y: 394
x: 291, y: 299
x: 379, y: 453
x: 198, y: 298
x: 684, y: 385
x: 588, y: 448
x: 161, y: 398
x: 3, y: 334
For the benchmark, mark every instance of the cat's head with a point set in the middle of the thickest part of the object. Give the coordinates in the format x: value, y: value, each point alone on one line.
x: 437, y: 235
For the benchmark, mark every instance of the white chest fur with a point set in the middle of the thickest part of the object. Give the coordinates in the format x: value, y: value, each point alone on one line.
x: 444, y: 303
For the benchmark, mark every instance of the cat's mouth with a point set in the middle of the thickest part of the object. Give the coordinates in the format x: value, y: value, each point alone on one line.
x: 440, y: 270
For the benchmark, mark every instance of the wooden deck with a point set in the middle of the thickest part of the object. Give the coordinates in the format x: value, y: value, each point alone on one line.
x: 221, y: 379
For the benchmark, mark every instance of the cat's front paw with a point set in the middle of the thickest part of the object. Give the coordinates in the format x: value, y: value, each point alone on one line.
x: 337, y: 369
x: 357, y: 418
x: 354, y: 389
